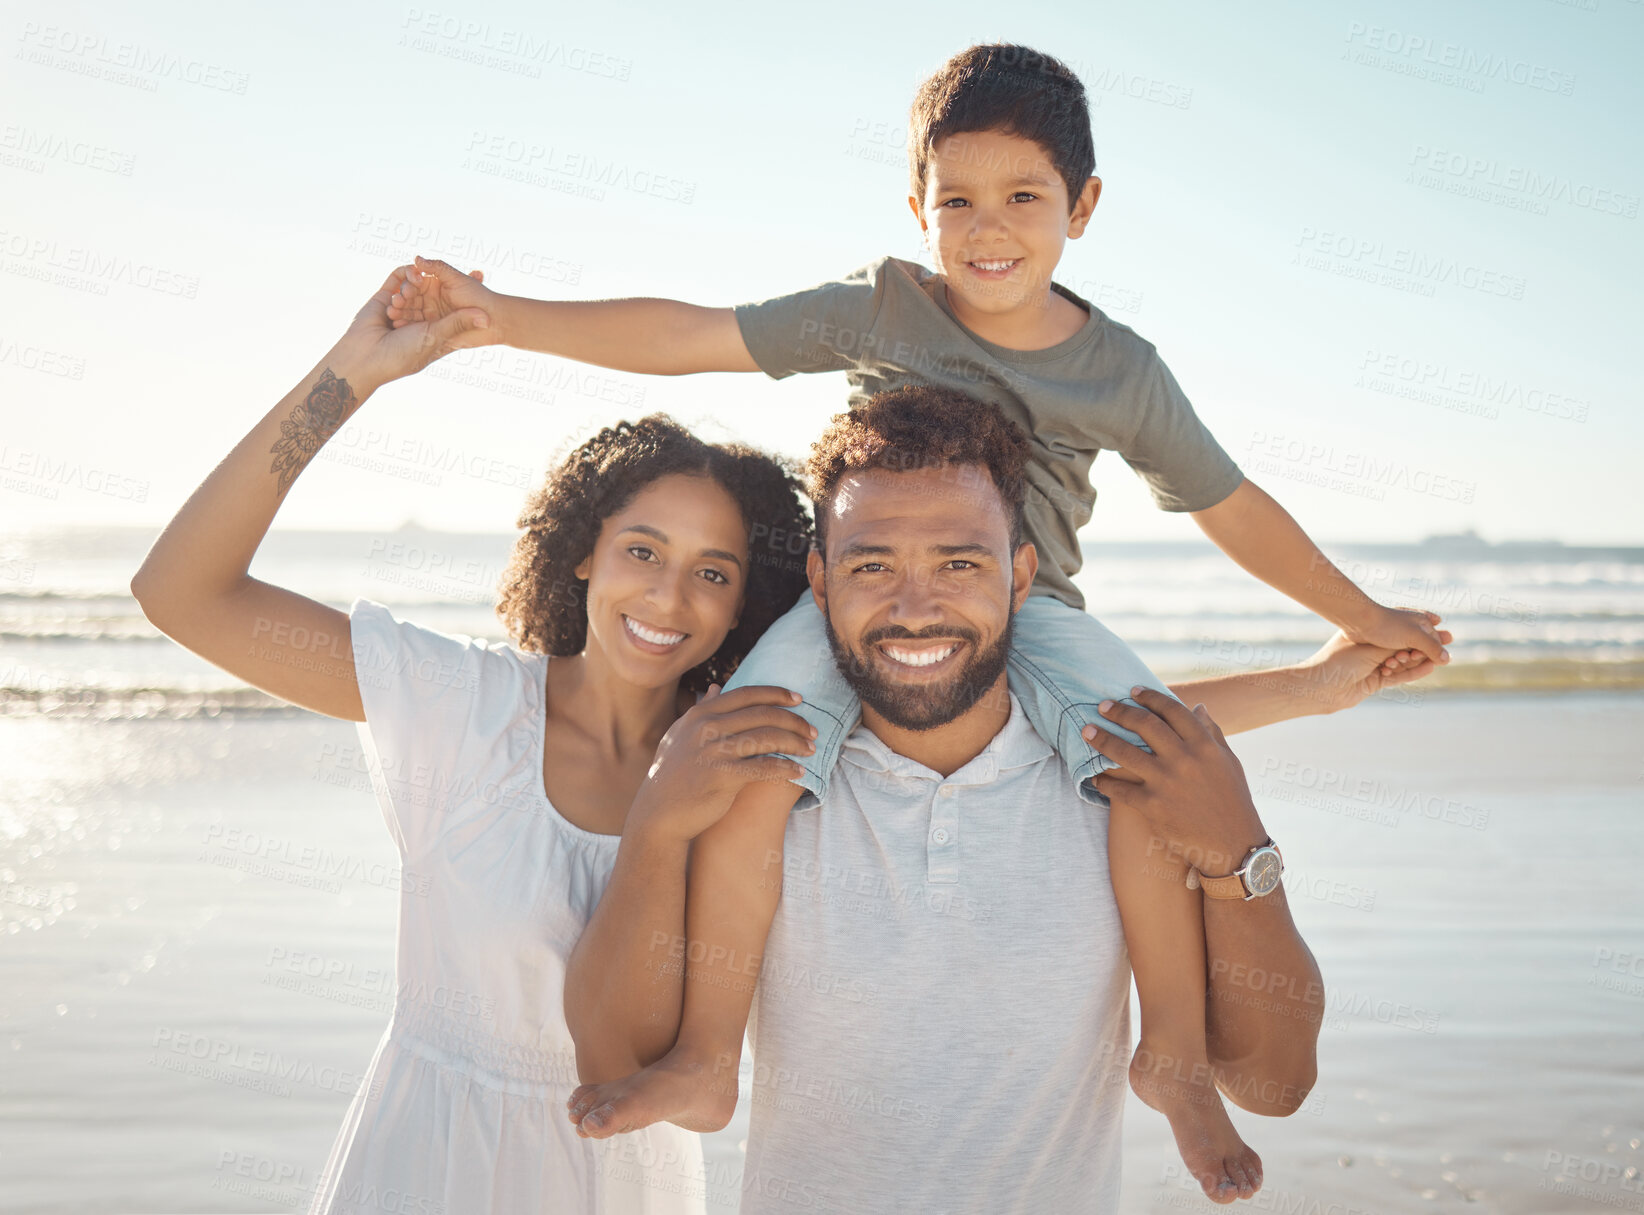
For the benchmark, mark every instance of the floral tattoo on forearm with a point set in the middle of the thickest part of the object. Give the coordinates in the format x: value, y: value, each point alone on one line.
x: 309, y: 426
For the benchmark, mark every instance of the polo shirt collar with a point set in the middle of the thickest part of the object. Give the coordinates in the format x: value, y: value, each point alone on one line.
x: 1016, y: 745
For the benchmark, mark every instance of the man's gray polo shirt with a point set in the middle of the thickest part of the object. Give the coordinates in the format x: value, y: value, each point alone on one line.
x: 942, y: 1022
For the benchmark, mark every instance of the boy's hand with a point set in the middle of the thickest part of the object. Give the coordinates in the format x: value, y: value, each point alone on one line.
x: 433, y: 290
x: 1344, y: 672
x: 1403, y: 629
x: 376, y: 353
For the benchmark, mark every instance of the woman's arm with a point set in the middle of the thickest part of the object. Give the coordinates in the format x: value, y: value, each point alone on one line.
x: 194, y: 585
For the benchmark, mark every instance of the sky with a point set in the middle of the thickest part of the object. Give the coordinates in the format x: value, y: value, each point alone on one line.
x: 1390, y: 251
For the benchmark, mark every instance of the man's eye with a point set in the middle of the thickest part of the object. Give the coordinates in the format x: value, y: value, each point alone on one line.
x: 871, y: 567
x: 962, y: 564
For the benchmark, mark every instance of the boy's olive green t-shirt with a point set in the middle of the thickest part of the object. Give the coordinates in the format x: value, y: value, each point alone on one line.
x: 890, y: 324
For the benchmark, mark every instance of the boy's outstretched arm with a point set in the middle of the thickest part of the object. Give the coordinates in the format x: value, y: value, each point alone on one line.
x: 1261, y: 536
x: 644, y: 336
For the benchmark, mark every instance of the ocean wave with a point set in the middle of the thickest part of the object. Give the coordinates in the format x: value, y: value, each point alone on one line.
x: 1534, y: 675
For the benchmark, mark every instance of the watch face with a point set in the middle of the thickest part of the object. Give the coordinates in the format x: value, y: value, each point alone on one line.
x: 1264, y: 872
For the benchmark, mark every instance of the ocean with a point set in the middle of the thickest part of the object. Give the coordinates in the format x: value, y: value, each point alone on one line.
x: 1461, y: 855
x: 1530, y: 616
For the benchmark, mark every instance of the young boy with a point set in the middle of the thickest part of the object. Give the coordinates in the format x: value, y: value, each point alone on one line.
x: 1002, y: 165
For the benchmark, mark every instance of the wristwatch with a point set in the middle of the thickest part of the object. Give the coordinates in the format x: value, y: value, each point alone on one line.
x: 1259, y: 875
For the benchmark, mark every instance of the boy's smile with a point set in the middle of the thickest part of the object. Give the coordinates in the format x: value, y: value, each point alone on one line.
x: 995, y: 216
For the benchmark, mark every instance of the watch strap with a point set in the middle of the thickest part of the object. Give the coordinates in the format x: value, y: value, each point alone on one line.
x: 1229, y: 885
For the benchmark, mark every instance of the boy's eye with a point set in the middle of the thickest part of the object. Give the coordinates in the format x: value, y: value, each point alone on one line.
x: 1023, y: 194
x: 953, y: 201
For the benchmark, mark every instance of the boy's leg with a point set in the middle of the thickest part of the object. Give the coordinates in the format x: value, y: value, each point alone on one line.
x: 1063, y: 663
x: 734, y: 884
x: 794, y: 654
x: 1164, y: 932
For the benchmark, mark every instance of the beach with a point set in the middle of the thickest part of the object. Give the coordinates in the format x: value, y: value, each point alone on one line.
x: 198, y: 960
x: 198, y: 895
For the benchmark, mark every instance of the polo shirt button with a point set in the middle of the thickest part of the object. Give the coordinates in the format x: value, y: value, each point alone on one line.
x: 940, y: 835
x: 947, y: 791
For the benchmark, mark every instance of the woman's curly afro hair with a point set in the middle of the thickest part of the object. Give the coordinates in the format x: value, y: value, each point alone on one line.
x: 545, y: 605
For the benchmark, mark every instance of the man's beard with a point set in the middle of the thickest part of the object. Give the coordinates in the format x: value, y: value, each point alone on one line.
x: 922, y: 706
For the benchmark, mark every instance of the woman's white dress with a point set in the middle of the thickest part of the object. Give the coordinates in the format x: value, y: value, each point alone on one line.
x: 463, y: 1108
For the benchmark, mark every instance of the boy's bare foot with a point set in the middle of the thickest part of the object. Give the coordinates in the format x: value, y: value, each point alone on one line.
x: 686, y: 1088
x: 1185, y: 1092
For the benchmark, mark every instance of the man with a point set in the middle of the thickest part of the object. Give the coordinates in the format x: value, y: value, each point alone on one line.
x: 942, y: 1015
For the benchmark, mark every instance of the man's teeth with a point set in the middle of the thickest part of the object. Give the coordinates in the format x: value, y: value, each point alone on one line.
x: 654, y: 636
x: 995, y: 265
x: 920, y: 658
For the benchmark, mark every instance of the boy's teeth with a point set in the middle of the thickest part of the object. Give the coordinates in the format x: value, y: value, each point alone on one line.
x: 654, y: 636
x: 920, y: 658
x: 995, y: 265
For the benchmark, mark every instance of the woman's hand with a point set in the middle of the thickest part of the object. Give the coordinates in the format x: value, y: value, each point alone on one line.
x: 431, y: 290
x: 375, y: 352
x: 723, y: 743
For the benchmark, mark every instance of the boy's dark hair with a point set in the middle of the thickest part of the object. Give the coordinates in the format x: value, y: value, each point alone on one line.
x: 922, y: 426
x: 1009, y: 88
x: 545, y: 605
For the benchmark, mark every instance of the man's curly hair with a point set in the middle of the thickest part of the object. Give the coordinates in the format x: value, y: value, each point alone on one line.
x: 545, y: 605
x: 922, y: 426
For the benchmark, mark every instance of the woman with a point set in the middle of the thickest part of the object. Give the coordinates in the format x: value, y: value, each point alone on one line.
x: 505, y: 778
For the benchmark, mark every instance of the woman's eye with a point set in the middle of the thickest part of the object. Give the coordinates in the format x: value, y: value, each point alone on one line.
x: 713, y: 575
x: 641, y: 551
